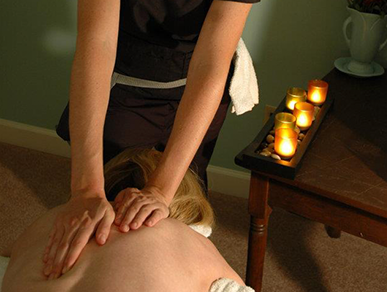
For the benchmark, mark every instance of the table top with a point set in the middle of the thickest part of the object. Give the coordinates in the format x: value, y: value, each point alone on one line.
x: 347, y: 160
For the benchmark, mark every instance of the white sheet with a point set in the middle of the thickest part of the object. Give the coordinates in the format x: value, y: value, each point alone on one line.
x: 202, y: 229
x: 229, y: 285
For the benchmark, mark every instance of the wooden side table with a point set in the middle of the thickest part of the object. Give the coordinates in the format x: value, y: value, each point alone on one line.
x: 342, y: 181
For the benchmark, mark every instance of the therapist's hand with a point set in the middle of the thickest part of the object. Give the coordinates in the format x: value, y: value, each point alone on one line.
x: 86, y: 212
x: 136, y: 207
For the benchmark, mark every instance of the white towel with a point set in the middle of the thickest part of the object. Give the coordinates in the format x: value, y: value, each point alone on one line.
x: 229, y: 285
x: 244, y: 84
x: 202, y: 229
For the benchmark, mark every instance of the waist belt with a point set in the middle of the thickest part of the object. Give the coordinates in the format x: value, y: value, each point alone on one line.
x: 137, y: 82
x: 243, y: 88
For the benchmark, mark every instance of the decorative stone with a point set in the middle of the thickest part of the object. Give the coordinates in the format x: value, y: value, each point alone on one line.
x: 265, y: 153
x: 299, y: 142
x: 272, y: 132
x: 271, y: 146
x: 270, y: 138
x: 301, y: 136
x: 268, y: 150
x: 276, y: 157
x: 297, y: 129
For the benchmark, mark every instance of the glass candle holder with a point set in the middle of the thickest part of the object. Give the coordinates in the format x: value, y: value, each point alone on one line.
x: 317, y: 91
x: 294, y: 95
x: 284, y: 120
x: 285, y: 143
x: 303, y: 111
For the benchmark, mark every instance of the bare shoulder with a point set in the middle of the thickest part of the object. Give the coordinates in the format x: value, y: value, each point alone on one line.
x: 212, y: 262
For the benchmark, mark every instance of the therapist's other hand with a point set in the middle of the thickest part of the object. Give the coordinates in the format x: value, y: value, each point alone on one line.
x: 86, y: 212
x: 136, y: 207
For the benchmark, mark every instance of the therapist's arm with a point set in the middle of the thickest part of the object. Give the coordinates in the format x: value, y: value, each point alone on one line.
x: 206, y: 81
x: 88, y: 209
x: 90, y: 88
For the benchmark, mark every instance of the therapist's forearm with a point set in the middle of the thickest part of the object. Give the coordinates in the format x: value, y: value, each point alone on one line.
x: 196, y: 111
x: 206, y: 80
x: 89, y: 95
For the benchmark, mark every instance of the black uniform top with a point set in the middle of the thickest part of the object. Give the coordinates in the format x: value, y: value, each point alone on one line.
x: 157, y: 37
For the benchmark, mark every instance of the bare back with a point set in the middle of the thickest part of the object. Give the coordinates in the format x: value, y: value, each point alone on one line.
x: 167, y: 257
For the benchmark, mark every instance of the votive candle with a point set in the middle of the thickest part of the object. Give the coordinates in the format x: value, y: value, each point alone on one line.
x: 294, y: 95
x: 303, y: 111
x: 284, y: 120
x: 285, y: 143
x: 317, y: 91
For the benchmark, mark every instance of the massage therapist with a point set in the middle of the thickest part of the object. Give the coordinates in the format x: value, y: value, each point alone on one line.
x: 158, y: 43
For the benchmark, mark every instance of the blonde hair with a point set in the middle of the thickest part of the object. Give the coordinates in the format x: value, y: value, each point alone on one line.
x: 132, y: 168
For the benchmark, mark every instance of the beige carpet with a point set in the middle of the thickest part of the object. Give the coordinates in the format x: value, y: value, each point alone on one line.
x: 300, y: 256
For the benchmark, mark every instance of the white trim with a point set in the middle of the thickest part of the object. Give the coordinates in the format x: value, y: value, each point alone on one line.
x: 220, y: 179
x: 33, y: 137
x: 228, y: 181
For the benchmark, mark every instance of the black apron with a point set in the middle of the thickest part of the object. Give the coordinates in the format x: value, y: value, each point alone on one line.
x: 156, y: 42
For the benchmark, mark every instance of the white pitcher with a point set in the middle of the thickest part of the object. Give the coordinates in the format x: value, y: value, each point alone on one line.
x: 366, y: 36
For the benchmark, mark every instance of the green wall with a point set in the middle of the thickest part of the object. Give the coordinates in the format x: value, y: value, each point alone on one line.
x: 34, y: 70
x: 290, y: 43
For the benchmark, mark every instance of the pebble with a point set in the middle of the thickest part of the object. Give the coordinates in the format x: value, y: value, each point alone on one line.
x: 265, y: 153
x: 271, y: 146
x: 301, y: 136
x: 270, y: 138
x: 267, y: 150
x: 276, y: 157
x: 299, y: 142
x: 272, y: 132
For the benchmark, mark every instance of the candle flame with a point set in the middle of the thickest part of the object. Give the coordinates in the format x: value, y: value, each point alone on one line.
x: 316, y: 96
x: 302, y: 120
x: 286, y: 148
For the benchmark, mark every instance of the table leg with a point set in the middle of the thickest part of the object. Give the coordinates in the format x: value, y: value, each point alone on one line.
x: 333, y: 232
x: 259, y: 210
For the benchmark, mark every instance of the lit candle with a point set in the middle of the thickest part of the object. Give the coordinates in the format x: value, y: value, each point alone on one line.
x: 284, y: 120
x: 303, y: 111
x: 294, y: 95
x: 285, y: 143
x: 317, y: 91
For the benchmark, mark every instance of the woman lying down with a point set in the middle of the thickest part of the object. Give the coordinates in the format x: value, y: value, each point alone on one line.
x: 169, y: 256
